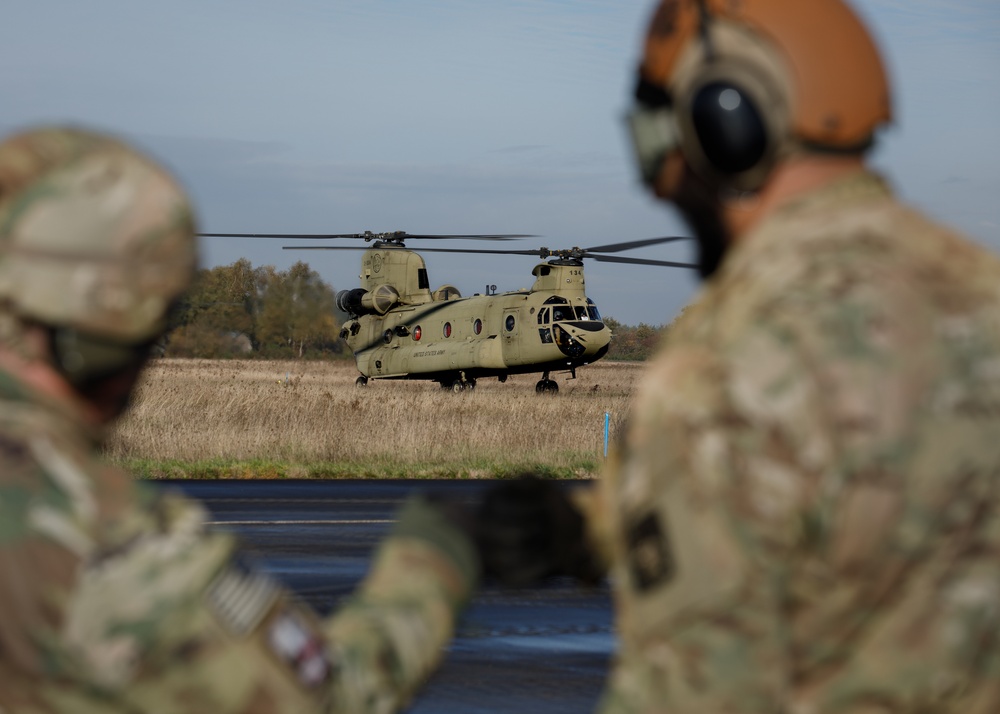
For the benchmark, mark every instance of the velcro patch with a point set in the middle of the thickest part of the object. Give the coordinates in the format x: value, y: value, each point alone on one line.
x: 241, y: 597
x: 650, y: 558
x: 298, y: 643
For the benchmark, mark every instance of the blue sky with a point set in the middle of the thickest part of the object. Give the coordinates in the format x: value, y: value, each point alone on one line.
x: 448, y: 116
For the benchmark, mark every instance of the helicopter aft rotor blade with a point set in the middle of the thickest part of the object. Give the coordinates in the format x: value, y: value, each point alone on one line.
x: 394, y: 241
x: 296, y: 236
x: 573, y: 253
x: 535, y: 252
x: 398, y: 235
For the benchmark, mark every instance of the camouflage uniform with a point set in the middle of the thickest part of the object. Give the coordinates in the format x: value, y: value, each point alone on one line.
x: 803, y: 517
x: 113, y: 596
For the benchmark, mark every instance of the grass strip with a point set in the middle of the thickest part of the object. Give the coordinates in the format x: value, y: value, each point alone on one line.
x: 217, y: 469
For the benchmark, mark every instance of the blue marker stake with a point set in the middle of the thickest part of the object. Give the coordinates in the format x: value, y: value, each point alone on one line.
x: 607, y: 426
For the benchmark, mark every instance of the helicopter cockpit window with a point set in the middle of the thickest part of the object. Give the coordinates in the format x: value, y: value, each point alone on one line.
x: 543, y: 316
x: 422, y: 281
x: 545, y: 333
x: 592, y: 310
x: 560, y: 313
x: 556, y: 300
x: 582, y: 313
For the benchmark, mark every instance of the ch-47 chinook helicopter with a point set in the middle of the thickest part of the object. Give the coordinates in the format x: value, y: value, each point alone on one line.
x: 398, y: 328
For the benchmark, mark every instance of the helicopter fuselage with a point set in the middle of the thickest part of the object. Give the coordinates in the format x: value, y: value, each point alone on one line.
x: 399, y: 329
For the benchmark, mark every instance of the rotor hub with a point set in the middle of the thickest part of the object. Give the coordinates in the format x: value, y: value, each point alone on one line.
x: 392, y: 238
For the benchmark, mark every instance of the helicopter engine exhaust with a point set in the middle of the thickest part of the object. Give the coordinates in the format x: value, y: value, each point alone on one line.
x: 363, y: 302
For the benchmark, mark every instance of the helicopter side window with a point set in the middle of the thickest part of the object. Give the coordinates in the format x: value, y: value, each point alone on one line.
x: 423, y: 283
x: 447, y: 329
x: 543, y: 316
x: 509, y: 323
x: 477, y: 326
x: 546, y: 334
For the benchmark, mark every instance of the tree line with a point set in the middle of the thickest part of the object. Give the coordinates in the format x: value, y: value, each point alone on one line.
x: 241, y: 311
x: 633, y: 342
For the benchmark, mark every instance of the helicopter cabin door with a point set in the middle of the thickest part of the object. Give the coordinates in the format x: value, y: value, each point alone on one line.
x: 510, y: 331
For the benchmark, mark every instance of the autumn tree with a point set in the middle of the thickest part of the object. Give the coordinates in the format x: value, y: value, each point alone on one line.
x: 297, y: 311
x: 236, y: 308
x: 633, y: 342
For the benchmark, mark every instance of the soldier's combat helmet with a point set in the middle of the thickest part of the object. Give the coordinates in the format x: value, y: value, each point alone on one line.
x: 734, y: 86
x: 96, y: 243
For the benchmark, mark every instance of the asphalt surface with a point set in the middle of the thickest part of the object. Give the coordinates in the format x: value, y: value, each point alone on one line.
x: 539, y: 650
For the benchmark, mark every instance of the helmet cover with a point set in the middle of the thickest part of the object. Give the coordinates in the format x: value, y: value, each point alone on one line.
x: 94, y: 237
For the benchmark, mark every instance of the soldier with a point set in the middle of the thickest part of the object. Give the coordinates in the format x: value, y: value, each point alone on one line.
x: 803, y: 516
x: 113, y: 596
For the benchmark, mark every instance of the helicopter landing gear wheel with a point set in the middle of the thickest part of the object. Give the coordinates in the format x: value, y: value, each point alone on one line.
x: 547, y: 386
x: 361, y: 381
x: 461, y: 385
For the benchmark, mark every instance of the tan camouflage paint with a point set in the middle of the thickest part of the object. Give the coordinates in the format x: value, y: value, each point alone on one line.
x: 804, y: 514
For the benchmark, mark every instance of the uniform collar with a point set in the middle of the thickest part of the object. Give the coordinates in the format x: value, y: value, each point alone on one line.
x: 861, y: 187
x: 858, y: 187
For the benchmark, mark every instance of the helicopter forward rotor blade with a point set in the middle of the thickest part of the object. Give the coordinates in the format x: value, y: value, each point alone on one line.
x: 642, y: 261
x: 617, y: 247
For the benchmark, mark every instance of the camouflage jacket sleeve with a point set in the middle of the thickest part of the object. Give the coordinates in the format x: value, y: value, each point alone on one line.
x: 804, y: 513
x: 113, y: 598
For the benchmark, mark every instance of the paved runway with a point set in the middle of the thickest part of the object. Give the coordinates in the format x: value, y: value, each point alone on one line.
x: 543, y: 650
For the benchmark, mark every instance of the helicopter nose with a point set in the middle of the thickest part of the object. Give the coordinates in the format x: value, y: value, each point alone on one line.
x: 581, y: 338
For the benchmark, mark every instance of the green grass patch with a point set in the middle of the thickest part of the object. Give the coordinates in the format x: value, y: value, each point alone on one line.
x: 571, y: 468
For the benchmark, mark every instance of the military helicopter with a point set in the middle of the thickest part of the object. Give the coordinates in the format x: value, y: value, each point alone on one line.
x: 398, y: 328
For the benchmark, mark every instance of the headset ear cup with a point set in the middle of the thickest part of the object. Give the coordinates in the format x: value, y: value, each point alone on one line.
x: 731, y: 130
x: 732, y: 96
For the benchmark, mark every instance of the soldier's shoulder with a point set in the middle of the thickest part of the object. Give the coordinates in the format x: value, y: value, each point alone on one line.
x: 50, y: 471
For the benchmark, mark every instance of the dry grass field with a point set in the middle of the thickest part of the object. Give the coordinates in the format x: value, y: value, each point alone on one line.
x: 254, y: 419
